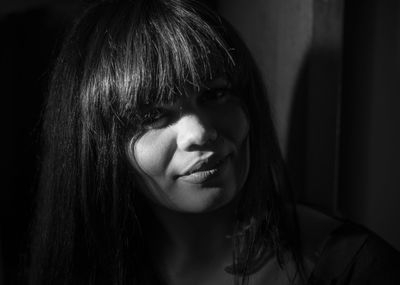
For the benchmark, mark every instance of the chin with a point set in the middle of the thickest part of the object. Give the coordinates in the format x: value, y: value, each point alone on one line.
x: 213, y: 200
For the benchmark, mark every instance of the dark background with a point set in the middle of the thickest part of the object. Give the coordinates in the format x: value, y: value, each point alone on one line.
x: 367, y: 104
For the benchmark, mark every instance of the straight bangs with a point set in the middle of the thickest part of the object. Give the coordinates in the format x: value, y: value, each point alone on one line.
x: 150, y: 52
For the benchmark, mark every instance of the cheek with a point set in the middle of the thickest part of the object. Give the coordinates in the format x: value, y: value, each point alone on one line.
x: 236, y: 129
x: 235, y: 124
x: 152, y: 152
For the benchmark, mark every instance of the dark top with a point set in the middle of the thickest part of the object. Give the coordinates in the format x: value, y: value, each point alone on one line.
x: 354, y: 255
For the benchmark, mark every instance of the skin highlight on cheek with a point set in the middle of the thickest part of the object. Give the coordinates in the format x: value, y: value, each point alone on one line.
x: 149, y: 187
x: 152, y: 152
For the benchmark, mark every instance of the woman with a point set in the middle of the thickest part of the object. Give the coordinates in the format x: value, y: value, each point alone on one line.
x: 160, y: 163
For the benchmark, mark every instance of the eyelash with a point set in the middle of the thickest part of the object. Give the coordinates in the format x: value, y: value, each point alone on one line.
x: 225, y: 91
x: 155, y: 118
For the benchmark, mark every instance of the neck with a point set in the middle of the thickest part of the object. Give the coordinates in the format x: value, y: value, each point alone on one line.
x: 201, y: 239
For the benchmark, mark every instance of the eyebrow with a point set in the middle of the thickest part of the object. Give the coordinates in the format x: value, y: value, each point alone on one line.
x: 217, y: 82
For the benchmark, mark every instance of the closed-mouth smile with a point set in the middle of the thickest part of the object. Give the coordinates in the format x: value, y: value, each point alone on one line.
x: 204, y: 170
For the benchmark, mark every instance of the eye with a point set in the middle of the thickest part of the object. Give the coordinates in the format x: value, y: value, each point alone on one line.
x: 156, y: 118
x: 216, y: 95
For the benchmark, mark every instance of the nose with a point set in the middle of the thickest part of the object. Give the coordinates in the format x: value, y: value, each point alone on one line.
x: 194, y: 133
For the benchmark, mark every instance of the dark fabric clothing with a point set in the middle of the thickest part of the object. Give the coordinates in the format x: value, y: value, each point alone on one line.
x: 353, y: 255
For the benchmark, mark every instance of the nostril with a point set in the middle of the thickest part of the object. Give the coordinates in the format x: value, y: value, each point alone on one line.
x: 194, y: 133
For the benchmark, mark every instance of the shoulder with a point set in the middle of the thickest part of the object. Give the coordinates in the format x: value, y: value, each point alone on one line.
x: 345, y: 252
x: 314, y: 227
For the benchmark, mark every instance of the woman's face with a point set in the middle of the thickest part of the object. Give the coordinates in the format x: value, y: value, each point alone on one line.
x: 194, y: 155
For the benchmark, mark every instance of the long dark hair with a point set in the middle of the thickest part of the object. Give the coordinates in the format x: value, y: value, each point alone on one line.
x: 119, y: 57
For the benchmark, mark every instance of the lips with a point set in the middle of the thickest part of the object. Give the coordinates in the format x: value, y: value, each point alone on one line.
x: 204, y: 170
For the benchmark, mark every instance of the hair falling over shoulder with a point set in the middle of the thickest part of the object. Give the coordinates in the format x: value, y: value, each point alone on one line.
x: 118, y: 57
